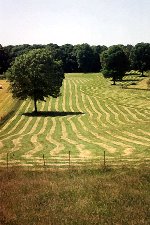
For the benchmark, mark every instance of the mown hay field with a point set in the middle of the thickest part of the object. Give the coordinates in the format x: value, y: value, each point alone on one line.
x: 7, y: 103
x: 91, y: 116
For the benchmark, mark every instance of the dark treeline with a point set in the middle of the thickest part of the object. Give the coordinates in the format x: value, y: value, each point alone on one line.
x: 76, y: 58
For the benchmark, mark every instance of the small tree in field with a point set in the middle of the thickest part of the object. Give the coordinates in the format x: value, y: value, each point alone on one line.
x: 36, y: 75
x: 114, y: 63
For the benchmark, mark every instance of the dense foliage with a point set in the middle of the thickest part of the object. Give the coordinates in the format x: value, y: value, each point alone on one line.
x: 114, y: 63
x: 81, y: 57
x: 36, y: 75
x: 69, y: 59
x: 75, y: 58
x: 85, y: 57
x: 140, y: 57
x: 3, y: 60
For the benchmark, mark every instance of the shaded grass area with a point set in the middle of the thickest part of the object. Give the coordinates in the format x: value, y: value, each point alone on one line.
x: 75, y: 196
x: 51, y: 114
x: 139, y: 82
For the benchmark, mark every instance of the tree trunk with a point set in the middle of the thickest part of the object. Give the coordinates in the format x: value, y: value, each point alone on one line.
x: 142, y: 75
x: 35, y: 105
x: 114, y: 82
x: 114, y: 79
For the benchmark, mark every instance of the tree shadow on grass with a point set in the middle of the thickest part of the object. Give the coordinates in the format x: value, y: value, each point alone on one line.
x: 128, y: 80
x: 51, y: 114
x: 139, y: 89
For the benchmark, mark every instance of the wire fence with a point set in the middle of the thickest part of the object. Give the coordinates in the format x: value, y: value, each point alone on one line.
x: 69, y: 161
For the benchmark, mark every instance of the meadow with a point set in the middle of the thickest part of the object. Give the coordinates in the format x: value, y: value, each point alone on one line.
x: 91, y: 116
x: 83, y: 196
x: 7, y: 103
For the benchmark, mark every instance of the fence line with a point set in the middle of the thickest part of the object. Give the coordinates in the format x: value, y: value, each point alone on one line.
x: 69, y: 161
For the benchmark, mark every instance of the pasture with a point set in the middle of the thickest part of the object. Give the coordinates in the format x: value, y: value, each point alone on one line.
x: 7, y: 103
x: 79, y: 196
x: 91, y: 116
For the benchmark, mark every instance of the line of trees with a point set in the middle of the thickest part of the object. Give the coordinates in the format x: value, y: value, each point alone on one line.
x: 85, y: 58
x: 77, y: 58
x: 118, y: 59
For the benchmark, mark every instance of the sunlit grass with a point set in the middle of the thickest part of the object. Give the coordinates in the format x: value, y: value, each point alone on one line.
x: 75, y: 196
x: 7, y: 103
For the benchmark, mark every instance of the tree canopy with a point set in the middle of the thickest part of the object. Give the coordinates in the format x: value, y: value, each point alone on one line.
x: 114, y: 63
x: 69, y: 59
x: 140, y: 57
x: 36, y: 75
x: 85, y: 57
x: 80, y: 57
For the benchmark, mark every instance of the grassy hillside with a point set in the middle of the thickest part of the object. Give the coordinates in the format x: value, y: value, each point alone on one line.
x: 7, y: 103
x: 91, y: 116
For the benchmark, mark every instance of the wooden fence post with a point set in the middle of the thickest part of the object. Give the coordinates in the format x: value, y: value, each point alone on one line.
x: 7, y: 161
x: 104, y: 159
x: 69, y: 158
x: 44, y: 160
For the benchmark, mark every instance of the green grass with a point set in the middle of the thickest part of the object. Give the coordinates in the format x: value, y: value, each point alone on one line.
x: 91, y: 116
x: 76, y: 196
x: 8, y: 105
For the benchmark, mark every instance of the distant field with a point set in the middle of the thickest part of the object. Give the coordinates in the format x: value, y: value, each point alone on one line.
x: 91, y: 116
x: 7, y: 103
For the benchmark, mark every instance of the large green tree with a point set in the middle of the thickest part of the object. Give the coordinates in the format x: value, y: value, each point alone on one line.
x: 85, y: 57
x: 17, y: 50
x: 97, y: 50
x: 55, y: 50
x: 114, y: 63
x: 140, y: 57
x: 69, y: 59
x: 36, y: 75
